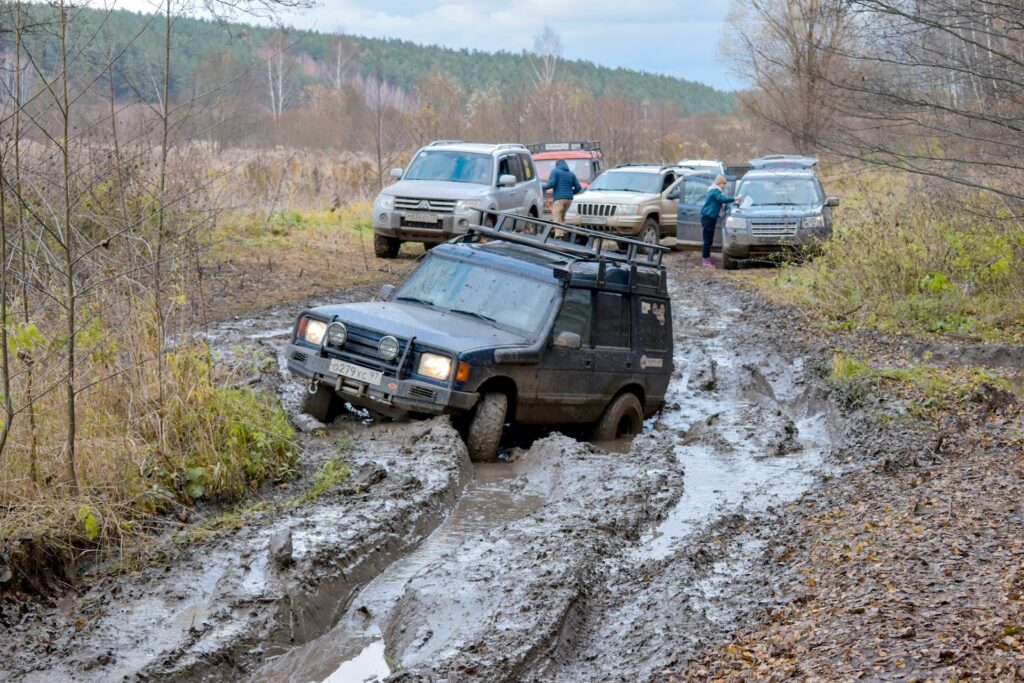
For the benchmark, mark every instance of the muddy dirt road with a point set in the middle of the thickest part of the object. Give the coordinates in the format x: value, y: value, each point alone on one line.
x: 571, y: 562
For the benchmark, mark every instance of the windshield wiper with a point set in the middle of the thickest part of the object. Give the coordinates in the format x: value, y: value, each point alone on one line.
x: 417, y: 300
x: 474, y: 314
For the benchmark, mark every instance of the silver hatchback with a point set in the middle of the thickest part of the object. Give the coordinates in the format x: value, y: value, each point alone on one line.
x: 449, y: 185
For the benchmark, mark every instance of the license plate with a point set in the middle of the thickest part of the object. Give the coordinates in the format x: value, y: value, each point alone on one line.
x: 356, y: 372
x: 417, y: 217
x: 595, y: 220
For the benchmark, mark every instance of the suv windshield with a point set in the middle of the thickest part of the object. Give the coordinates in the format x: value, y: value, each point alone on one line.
x: 779, y: 192
x: 629, y: 181
x: 494, y: 295
x: 581, y: 167
x: 457, y: 167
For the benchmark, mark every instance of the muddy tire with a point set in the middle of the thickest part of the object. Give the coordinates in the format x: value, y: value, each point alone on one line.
x: 651, y: 232
x: 484, y: 430
x: 728, y: 262
x: 324, y: 405
x: 623, y: 417
x: 386, y: 247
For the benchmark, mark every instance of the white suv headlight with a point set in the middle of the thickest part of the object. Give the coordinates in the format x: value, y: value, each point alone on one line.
x: 628, y: 209
x: 735, y: 223
x: 385, y: 202
x: 464, y: 206
x: 572, y: 210
x: 810, y: 222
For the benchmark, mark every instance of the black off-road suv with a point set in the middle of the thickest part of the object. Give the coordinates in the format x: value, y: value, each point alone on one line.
x: 525, y: 322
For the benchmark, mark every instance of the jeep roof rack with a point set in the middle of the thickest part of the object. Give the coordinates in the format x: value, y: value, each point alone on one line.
x: 510, y: 145
x: 640, y: 163
x: 438, y: 143
x: 568, y: 146
x: 582, y: 246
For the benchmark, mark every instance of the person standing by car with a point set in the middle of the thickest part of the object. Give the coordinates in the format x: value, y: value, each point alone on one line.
x: 564, y: 186
x: 714, y: 202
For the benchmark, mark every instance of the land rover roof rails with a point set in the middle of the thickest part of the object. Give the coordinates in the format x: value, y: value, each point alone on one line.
x: 438, y: 143
x: 569, y: 146
x: 660, y: 166
x: 637, y: 254
x: 783, y: 161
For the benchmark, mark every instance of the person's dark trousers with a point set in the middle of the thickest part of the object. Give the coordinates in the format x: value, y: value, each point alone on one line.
x: 708, y: 223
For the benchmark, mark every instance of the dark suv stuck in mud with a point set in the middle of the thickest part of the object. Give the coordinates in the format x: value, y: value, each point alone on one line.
x: 525, y: 322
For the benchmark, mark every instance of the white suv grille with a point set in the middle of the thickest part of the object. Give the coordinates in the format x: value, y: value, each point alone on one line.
x: 432, y: 205
x: 773, y: 229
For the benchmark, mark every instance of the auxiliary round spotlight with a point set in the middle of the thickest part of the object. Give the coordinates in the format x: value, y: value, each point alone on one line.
x: 388, y: 348
x: 337, y: 333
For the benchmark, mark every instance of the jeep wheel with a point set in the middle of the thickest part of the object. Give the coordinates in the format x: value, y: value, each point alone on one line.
x: 651, y: 232
x: 728, y: 262
x: 386, y: 247
x: 484, y: 431
x: 623, y: 417
x: 324, y: 405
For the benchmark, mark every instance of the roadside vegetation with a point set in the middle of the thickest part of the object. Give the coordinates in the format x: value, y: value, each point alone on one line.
x: 912, y: 257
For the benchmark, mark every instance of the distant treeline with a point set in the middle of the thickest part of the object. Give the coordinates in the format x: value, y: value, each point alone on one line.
x: 136, y: 40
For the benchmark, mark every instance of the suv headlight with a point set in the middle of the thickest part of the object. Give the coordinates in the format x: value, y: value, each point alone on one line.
x: 464, y: 206
x: 810, y: 222
x: 628, y: 209
x: 311, y: 330
x: 385, y: 202
x: 735, y: 223
x: 434, y: 366
x: 572, y: 210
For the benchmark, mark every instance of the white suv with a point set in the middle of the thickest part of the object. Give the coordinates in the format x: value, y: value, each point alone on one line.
x: 446, y: 186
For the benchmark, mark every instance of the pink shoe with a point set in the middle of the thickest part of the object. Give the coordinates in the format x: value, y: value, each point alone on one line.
x: 708, y: 263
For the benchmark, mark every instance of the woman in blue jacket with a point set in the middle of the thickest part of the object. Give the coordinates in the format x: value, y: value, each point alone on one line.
x: 564, y: 186
x: 709, y: 213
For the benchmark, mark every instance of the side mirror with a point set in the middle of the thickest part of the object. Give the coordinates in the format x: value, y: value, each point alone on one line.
x: 673, y: 194
x: 396, y: 173
x: 832, y: 201
x: 507, y: 180
x: 386, y: 292
x: 567, y: 340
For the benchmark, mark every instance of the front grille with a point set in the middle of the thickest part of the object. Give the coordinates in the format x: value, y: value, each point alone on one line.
x: 596, y: 209
x: 361, y: 348
x: 422, y: 392
x: 431, y: 205
x: 773, y: 229
x: 301, y: 357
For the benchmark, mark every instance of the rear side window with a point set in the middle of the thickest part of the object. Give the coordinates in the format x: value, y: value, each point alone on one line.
x: 611, y: 320
x: 575, y: 315
x: 527, y: 164
x: 654, y: 325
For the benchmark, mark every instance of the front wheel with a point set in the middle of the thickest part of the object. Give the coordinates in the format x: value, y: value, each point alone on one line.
x: 624, y: 417
x: 651, y: 232
x: 485, y: 427
x: 728, y: 262
x: 386, y: 247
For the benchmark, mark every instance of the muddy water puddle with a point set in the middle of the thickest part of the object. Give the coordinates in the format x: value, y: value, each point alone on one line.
x: 356, y: 649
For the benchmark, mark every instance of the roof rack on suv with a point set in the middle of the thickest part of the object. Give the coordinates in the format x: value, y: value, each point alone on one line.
x: 783, y: 161
x: 570, y: 146
x: 437, y: 143
x: 579, y: 245
x: 640, y: 163
x: 511, y: 145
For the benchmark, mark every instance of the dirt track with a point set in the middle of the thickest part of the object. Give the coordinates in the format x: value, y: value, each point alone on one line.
x: 570, y: 563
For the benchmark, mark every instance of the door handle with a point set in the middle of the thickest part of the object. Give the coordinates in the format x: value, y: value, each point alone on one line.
x: 587, y: 362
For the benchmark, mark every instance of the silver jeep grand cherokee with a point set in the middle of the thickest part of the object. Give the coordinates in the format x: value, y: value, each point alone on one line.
x: 447, y: 185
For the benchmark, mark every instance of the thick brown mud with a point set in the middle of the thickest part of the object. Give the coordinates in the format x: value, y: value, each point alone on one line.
x: 571, y: 562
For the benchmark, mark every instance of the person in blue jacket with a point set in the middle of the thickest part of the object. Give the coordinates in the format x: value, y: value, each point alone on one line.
x: 714, y: 202
x: 564, y: 186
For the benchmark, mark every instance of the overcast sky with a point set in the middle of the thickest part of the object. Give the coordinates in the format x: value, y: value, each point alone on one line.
x: 673, y: 37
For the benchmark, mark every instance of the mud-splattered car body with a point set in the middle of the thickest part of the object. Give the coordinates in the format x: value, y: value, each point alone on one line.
x: 560, y: 330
